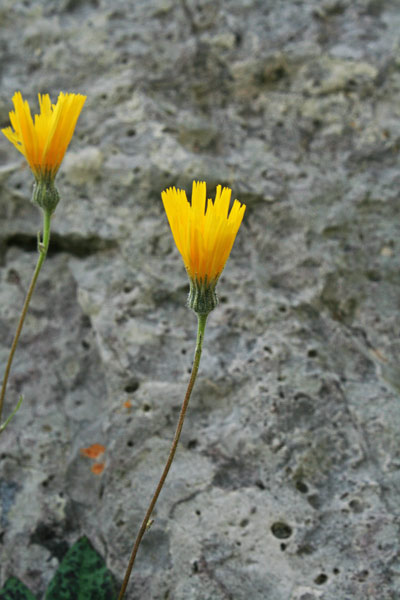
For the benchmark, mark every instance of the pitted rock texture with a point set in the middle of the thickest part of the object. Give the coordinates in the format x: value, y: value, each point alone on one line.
x: 286, y: 484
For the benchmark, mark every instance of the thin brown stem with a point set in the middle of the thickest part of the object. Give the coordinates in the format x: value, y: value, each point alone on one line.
x: 42, y: 248
x: 146, y: 521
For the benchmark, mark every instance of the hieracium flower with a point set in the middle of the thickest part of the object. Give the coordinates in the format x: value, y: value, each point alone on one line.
x: 44, y: 141
x: 204, y: 232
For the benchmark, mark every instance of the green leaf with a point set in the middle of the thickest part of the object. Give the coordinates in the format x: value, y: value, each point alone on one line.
x: 82, y: 575
x: 14, y: 589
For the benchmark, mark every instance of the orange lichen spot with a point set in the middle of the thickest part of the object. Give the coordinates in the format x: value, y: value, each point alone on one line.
x: 128, y: 404
x: 93, y: 451
x: 98, y: 468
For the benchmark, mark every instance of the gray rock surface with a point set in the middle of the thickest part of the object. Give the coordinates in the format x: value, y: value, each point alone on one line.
x: 286, y: 485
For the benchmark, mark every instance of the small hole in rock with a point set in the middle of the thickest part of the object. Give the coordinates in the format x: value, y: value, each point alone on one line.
x: 131, y: 387
x: 356, y: 506
x: 321, y: 579
x: 13, y: 277
x: 314, y: 501
x: 46, y: 482
x: 281, y: 530
x: 301, y: 487
x: 283, y: 547
x: 146, y: 407
x: 192, y: 444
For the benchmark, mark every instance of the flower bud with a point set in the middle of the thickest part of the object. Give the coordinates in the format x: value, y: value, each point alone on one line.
x: 45, y: 194
x: 202, y: 297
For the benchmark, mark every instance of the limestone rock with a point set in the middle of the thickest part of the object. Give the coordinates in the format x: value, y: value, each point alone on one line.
x: 286, y: 482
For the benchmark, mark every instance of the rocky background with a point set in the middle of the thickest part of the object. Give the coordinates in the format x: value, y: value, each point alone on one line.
x: 286, y: 485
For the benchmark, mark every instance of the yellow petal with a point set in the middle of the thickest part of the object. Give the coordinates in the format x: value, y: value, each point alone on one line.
x: 204, y: 231
x: 44, y: 141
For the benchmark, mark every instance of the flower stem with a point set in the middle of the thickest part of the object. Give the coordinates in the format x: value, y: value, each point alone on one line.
x: 202, y: 318
x: 42, y: 249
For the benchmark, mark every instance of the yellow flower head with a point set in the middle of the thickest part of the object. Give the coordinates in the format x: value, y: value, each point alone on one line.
x: 44, y: 141
x: 204, y: 232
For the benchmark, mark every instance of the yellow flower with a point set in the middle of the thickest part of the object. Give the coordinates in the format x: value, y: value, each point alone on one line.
x: 204, y: 233
x: 44, y: 141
